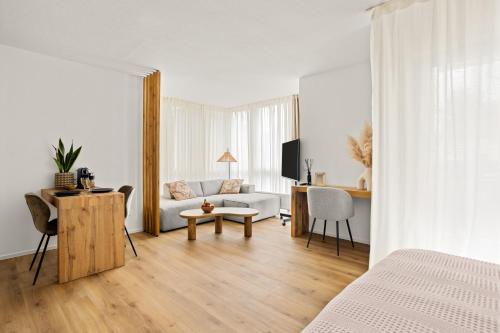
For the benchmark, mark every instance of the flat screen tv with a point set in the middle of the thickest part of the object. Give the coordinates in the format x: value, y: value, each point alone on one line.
x: 290, y: 160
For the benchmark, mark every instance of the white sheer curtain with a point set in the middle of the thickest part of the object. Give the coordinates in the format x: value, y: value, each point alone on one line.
x: 193, y: 136
x: 436, y: 109
x: 257, y: 132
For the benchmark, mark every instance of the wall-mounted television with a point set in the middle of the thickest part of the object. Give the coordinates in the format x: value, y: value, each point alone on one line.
x: 290, y: 160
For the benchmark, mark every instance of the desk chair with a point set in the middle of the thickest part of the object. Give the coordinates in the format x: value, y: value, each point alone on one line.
x: 40, y: 212
x: 128, y: 191
x: 330, y: 204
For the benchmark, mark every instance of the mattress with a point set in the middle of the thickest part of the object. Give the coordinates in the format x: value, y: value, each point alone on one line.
x: 417, y: 291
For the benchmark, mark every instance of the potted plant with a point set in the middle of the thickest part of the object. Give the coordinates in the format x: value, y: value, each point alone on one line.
x: 64, y: 161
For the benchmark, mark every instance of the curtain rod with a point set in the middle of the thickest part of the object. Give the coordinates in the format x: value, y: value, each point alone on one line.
x: 375, y: 6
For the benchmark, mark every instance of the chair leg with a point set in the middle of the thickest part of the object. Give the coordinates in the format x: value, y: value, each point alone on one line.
x: 311, y: 232
x: 324, y: 230
x: 130, y: 240
x: 41, y: 260
x: 36, y: 253
x: 338, y: 239
x: 350, y: 235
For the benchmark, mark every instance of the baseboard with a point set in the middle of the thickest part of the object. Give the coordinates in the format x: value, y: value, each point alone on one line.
x: 136, y: 230
x: 23, y: 253
x: 50, y: 247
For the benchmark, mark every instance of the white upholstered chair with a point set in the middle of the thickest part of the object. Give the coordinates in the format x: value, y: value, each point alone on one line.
x: 330, y: 204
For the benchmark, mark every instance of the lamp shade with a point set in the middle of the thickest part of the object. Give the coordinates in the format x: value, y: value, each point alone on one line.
x: 227, y: 157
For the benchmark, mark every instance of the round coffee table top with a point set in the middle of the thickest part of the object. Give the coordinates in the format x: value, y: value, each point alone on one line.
x: 219, y: 211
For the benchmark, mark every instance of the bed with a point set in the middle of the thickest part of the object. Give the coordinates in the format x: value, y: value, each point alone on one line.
x: 417, y: 291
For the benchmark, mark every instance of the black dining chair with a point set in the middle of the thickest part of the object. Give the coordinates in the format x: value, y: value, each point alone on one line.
x: 128, y: 191
x: 40, y: 213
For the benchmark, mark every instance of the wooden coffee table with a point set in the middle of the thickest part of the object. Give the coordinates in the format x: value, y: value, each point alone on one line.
x: 219, y: 212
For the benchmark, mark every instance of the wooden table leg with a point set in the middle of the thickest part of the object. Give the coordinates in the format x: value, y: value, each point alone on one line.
x: 218, y: 224
x: 300, y: 213
x: 191, y: 229
x: 248, y: 226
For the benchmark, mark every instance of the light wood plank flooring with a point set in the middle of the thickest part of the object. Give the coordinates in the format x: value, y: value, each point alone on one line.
x: 218, y: 283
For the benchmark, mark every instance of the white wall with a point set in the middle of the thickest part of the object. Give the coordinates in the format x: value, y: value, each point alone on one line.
x: 333, y: 105
x: 44, y: 98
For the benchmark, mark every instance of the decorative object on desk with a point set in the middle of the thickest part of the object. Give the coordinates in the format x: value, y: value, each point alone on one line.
x: 227, y: 157
x: 101, y: 190
x: 64, y: 161
x: 319, y: 178
x: 86, y: 182
x: 361, y: 151
x: 207, y: 207
x: 72, y: 186
x: 91, y: 180
x: 309, y: 163
x: 67, y: 193
x: 81, y: 172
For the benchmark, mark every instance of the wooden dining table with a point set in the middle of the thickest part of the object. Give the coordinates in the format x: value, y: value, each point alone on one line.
x: 90, y: 232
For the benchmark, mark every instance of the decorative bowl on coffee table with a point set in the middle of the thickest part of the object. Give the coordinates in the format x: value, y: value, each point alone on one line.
x: 207, y: 209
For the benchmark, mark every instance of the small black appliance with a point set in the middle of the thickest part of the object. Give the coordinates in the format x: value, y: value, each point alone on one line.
x: 81, y: 173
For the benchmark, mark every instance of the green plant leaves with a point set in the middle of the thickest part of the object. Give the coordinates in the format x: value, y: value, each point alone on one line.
x: 59, y: 165
x: 61, y: 146
x: 73, y: 158
x: 69, y: 155
x: 64, y: 161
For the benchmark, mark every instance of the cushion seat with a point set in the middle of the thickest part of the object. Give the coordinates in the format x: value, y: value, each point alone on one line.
x: 267, y: 204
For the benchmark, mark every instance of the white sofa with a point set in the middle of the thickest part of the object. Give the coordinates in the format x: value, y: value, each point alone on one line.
x: 267, y: 204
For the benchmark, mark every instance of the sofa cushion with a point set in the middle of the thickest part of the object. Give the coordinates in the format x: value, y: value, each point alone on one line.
x: 196, y: 187
x: 181, y: 190
x: 247, y: 188
x: 166, y: 192
x: 211, y: 187
x: 231, y: 186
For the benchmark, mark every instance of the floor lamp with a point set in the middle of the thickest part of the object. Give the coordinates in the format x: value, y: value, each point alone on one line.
x: 227, y: 157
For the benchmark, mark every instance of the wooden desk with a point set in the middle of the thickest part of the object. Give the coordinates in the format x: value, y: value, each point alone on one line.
x: 90, y: 233
x: 299, y: 211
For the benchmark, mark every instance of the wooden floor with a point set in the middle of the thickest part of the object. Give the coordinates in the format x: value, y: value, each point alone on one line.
x: 217, y: 283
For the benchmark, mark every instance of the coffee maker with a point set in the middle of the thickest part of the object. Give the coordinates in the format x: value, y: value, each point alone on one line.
x: 81, y: 173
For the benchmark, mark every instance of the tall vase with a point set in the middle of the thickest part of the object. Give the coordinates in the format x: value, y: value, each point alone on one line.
x: 309, y: 177
x: 365, y: 180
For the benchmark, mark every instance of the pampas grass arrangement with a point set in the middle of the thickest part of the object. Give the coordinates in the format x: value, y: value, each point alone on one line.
x: 361, y: 151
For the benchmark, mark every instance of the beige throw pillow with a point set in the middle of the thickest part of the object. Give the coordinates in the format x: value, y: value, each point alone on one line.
x: 181, y: 191
x: 231, y: 186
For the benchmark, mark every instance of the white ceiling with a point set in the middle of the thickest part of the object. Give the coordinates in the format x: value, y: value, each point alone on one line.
x: 220, y: 52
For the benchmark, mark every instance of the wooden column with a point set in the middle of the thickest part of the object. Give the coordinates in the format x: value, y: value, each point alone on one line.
x: 151, y: 153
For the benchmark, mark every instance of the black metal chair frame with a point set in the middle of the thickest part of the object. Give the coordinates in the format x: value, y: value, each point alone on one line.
x: 324, y: 233
x: 43, y: 255
x: 127, y: 190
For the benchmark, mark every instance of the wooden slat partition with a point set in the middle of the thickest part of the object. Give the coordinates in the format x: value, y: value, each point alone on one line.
x: 151, y: 154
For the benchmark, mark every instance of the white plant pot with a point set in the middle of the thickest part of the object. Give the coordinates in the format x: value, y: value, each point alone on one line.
x: 365, y: 180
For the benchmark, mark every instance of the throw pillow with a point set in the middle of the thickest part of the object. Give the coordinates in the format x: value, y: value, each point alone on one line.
x: 231, y: 186
x: 181, y: 191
